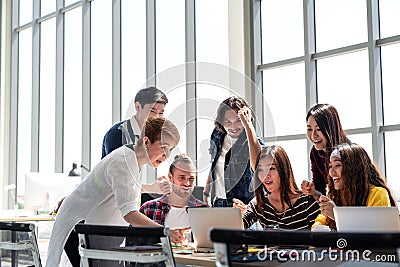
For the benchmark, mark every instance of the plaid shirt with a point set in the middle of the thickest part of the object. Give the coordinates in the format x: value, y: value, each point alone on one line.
x: 157, y: 209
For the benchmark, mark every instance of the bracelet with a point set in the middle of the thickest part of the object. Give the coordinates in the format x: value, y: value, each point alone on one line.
x: 206, y: 194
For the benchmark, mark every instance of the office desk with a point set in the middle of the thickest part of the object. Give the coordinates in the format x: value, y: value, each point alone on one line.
x: 189, y: 259
x: 19, y: 217
x: 23, y: 218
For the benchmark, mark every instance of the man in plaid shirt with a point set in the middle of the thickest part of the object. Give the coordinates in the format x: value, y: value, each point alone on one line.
x: 170, y: 209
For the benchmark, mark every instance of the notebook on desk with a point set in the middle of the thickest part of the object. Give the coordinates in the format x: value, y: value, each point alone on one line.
x: 367, y: 219
x: 202, y: 219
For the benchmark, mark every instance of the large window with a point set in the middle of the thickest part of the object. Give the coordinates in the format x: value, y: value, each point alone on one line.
x: 344, y: 53
x: 92, y: 57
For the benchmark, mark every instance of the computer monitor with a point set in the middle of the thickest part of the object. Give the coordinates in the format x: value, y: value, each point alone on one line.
x: 44, y: 190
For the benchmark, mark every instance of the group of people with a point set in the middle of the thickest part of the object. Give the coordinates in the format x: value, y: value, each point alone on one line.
x: 244, y: 174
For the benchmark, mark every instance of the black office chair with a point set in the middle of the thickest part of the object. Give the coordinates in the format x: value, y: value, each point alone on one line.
x: 15, y: 244
x: 102, y: 242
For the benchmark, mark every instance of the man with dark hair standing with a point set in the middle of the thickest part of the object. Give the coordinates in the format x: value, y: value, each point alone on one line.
x: 149, y: 102
x: 230, y: 175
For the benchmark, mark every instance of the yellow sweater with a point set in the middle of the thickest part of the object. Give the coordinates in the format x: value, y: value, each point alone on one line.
x: 378, y: 196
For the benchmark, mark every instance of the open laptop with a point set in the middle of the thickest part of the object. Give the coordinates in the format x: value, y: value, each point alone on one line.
x: 367, y: 219
x: 202, y: 219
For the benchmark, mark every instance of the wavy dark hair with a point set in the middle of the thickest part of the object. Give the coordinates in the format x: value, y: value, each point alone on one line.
x: 232, y: 102
x: 288, y: 184
x: 358, y: 173
x: 327, y: 118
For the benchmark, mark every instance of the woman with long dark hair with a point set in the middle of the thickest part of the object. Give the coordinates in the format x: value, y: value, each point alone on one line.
x: 278, y: 201
x: 354, y: 180
x: 324, y: 130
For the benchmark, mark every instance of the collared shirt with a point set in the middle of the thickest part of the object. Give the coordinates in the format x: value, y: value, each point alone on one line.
x: 119, y: 134
x: 157, y: 209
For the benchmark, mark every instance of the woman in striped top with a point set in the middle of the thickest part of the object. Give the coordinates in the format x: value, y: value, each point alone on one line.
x: 277, y: 201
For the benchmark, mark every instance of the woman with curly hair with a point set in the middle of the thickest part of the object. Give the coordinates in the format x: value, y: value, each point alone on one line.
x: 353, y: 180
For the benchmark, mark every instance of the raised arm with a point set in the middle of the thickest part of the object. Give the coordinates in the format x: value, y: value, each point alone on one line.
x: 254, y: 146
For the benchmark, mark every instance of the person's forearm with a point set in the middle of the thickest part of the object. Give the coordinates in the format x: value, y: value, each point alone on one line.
x: 138, y: 219
x: 254, y: 145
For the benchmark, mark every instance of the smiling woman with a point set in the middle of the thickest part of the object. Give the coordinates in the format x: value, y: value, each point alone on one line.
x: 277, y: 200
x: 353, y: 180
x: 115, y: 182
x: 324, y: 130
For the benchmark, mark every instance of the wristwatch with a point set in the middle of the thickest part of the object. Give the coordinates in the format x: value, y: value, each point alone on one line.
x: 206, y: 194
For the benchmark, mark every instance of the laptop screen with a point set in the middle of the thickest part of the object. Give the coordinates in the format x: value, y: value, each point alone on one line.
x: 367, y: 219
x: 202, y: 219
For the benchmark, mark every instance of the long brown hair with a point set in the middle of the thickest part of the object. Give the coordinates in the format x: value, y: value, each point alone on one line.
x: 327, y: 118
x: 287, y: 185
x: 235, y: 103
x: 358, y: 174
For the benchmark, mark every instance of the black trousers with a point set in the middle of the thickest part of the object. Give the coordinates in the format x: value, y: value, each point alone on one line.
x: 221, y: 202
x: 71, y: 248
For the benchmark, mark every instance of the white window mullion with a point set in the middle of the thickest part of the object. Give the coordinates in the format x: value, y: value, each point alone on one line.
x: 35, y: 87
x: 116, y: 61
x: 309, y: 64
x: 256, y: 74
x: 150, y: 43
x: 86, y: 85
x: 59, y: 101
x: 14, y: 95
x: 190, y: 71
x: 375, y: 80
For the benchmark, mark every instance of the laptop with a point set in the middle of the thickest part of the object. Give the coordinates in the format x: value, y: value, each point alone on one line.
x: 203, y: 218
x: 367, y: 219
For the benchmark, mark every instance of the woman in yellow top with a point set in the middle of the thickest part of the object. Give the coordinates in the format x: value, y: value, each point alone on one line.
x: 353, y: 180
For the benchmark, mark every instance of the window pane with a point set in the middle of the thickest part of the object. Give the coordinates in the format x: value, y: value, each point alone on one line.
x: 101, y: 78
x: 298, y: 156
x: 25, y: 12
x: 70, y: 2
x: 390, y: 83
x: 282, y: 29
x: 209, y: 96
x: 47, y: 7
x: 47, y: 96
x: 170, y: 30
x: 212, y: 31
x: 288, y: 113
x: 343, y: 82
x: 340, y: 23
x: 24, y: 108
x: 133, y: 69
x: 176, y: 112
x: 389, y: 17
x: 170, y: 60
x: 211, y: 46
x: 73, y: 88
x: 392, y: 145
x: 364, y: 140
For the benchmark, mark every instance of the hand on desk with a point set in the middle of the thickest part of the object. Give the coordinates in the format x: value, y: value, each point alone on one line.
x: 177, y: 235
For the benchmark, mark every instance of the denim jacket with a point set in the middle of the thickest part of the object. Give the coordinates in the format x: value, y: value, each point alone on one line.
x: 238, y: 176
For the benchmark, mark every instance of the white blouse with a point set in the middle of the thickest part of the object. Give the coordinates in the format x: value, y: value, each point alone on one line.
x: 108, y: 193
